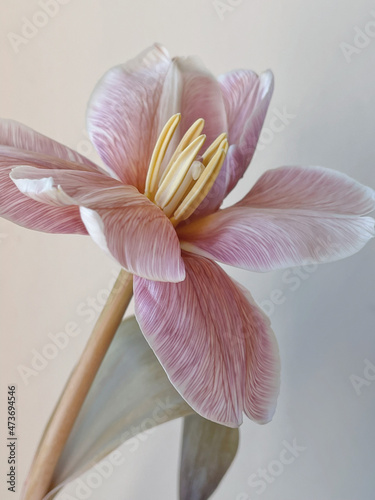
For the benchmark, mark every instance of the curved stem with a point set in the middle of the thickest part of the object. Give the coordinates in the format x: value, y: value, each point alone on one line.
x: 76, y: 389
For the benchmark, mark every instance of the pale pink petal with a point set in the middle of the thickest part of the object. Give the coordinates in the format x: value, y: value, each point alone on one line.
x: 215, y: 344
x: 119, y: 219
x: 310, y: 188
x: 292, y: 216
x: 20, y: 136
x: 66, y: 187
x: 246, y: 97
x: 261, y: 239
x: 132, y: 103
x: 200, y: 98
x: 27, y: 212
x: 139, y: 236
x: 125, y: 115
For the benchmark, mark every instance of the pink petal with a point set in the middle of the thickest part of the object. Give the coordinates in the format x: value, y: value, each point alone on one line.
x: 132, y: 103
x: 119, y: 219
x: 27, y: 212
x: 66, y: 187
x: 215, y: 344
x: 139, y: 236
x: 125, y: 114
x: 246, y: 96
x: 310, y: 188
x: 33, y: 215
x: 200, y: 98
x: 264, y: 240
x: 292, y: 216
x: 19, y: 136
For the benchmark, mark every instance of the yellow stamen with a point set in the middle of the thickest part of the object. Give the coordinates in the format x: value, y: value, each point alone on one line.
x: 177, y: 172
x: 190, y: 135
x: 209, y: 153
x: 192, y: 175
x: 202, y: 186
x: 188, y: 178
x: 159, y: 153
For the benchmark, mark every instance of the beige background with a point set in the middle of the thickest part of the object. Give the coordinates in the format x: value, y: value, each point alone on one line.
x: 325, y: 326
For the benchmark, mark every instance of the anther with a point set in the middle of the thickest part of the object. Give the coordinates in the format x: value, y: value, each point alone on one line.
x: 159, y: 153
x: 177, y: 172
x: 190, y: 135
x: 203, y: 185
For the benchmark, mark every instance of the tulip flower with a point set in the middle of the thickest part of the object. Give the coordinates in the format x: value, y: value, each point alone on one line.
x: 155, y: 207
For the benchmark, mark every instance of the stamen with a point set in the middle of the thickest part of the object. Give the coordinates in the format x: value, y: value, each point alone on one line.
x: 190, y: 135
x: 202, y: 186
x: 193, y: 174
x: 188, y: 177
x: 210, y: 151
x: 177, y: 172
x: 159, y: 153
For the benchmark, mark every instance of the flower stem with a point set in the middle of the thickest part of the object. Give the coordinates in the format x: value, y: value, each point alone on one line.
x: 76, y: 389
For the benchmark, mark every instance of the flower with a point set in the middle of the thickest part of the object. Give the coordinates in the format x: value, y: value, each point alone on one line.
x: 158, y: 213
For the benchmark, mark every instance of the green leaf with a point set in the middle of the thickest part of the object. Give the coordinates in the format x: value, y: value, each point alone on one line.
x: 130, y: 394
x: 208, y: 449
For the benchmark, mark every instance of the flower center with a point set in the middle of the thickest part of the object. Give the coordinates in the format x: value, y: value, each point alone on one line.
x: 187, y: 179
